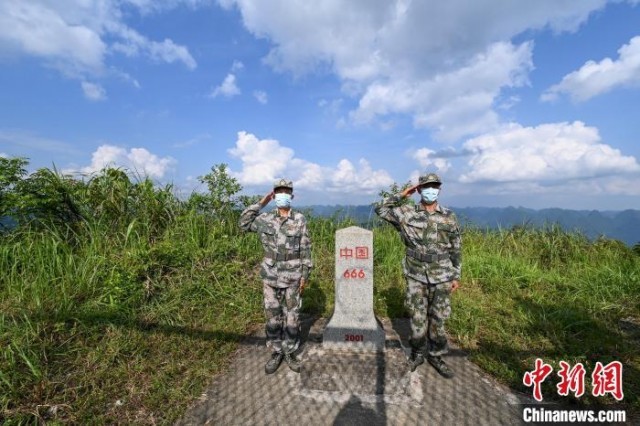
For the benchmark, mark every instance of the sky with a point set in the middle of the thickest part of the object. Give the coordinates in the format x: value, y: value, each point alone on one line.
x: 513, y: 103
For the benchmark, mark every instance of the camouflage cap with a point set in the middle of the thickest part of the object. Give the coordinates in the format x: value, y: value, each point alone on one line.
x: 283, y: 183
x: 429, y: 178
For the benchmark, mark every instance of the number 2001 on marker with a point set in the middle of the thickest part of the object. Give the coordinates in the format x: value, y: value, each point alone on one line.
x: 353, y: 338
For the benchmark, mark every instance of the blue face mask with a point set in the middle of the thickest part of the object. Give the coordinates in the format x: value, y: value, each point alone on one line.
x: 430, y: 195
x: 283, y: 200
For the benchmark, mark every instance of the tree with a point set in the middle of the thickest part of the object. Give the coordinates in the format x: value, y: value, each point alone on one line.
x: 222, y: 191
x: 12, y: 171
x: 247, y: 200
x: 395, y: 189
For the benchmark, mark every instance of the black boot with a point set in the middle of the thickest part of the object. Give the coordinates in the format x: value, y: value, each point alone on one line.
x: 440, y: 366
x: 415, y: 360
x: 272, y: 365
x: 293, y: 362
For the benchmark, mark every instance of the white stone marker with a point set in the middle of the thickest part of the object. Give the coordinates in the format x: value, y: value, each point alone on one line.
x: 353, y: 325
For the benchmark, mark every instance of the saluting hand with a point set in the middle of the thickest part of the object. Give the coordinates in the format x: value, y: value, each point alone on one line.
x: 265, y: 200
x: 409, y: 191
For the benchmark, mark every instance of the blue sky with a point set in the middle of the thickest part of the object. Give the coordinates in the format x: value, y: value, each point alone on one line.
x: 517, y: 103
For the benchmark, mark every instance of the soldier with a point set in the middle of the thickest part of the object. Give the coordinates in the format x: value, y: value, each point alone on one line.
x: 431, y: 267
x: 285, y: 270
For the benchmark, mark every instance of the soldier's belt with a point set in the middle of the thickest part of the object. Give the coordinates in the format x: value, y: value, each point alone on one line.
x: 280, y: 257
x: 427, y: 257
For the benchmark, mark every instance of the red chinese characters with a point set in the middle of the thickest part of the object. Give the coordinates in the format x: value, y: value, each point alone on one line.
x: 346, y: 253
x: 604, y: 379
x: 361, y: 252
x: 572, y: 379
x: 536, y: 377
x: 608, y: 379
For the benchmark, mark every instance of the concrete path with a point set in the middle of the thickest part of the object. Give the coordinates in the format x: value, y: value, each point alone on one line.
x: 352, y: 388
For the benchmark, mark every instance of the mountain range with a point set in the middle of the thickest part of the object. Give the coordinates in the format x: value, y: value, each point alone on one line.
x: 620, y: 225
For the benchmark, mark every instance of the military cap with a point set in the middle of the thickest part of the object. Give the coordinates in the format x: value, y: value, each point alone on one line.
x: 429, y: 178
x: 283, y: 183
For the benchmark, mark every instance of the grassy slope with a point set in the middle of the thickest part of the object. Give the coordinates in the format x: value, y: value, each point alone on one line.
x: 125, y: 327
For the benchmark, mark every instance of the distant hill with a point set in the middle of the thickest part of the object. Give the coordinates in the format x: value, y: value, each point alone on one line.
x: 620, y: 225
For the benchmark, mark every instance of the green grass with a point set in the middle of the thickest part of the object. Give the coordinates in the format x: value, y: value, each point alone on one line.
x: 553, y: 295
x: 125, y: 317
x: 114, y: 328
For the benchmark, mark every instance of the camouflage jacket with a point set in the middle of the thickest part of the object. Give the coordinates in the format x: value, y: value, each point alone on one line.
x: 432, y: 240
x: 286, y: 243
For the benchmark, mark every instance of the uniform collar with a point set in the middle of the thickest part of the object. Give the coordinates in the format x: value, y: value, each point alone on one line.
x: 276, y: 213
x: 438, y: 209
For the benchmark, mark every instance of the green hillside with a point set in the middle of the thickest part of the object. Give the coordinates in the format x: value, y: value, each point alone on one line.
x: 119, y: 302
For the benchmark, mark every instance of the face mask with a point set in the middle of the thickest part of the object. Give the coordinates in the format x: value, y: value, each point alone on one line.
x: 283, y: 200
x: 430, y: 195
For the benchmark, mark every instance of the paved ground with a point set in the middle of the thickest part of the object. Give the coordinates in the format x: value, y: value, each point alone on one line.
x: 340, y: 388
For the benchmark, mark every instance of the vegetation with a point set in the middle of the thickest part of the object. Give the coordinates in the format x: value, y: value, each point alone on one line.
x: 119, y: 301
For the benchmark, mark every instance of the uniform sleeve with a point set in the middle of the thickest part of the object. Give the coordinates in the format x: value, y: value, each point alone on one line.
x: 305, y: 251
x: 388, y: 209
x: 248, y: 217
x: 455, y: 252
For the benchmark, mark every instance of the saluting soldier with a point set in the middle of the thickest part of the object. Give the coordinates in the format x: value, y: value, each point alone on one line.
x: 432, y: 266
x: 284, y: 270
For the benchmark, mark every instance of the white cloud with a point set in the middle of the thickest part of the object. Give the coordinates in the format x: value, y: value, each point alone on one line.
x: 3, y: 155
x: 155, y: 6
x: 546, y: 153
x: 77, y: 36
x: 264, y: 161
x: 261, y: 96
x: 227, y: 88
x: 170, y: 52
x: 332, y: 107
x: 237, y: 66
x: 579, y: 193
x: 455, y: 103
x: 351, y: 179
x: 425, y: 157
x: 595, y: 78
x: 93, y: 92
x: 133, y: 44
x: 123, y: 76
x: 308, y: 175
x: 443, y: 63
x: 136, y: 160
x: 38, y: 29
x: 620, y: 185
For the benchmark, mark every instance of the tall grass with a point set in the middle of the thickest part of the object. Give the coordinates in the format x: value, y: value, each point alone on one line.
x: 550, y: 294
x: 117, y: 326
x: 123, y: 313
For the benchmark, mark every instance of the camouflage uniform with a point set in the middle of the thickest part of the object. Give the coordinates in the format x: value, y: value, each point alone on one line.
x: 432, y: 262
x: 287, y: 259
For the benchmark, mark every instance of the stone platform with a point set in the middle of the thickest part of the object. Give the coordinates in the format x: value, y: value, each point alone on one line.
x: 352, y: 388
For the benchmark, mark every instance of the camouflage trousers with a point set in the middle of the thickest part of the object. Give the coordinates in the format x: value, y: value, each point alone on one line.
x: 429, y: 307
x: 282, y: 310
